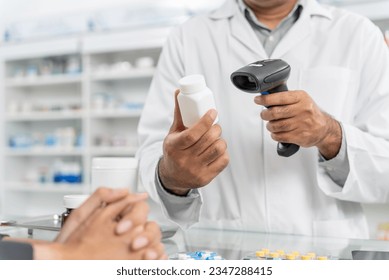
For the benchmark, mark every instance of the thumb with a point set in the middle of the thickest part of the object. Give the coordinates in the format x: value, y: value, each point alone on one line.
x: 178, y: 124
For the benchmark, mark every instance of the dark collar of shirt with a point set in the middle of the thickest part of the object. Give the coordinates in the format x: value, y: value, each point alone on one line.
x: 270, y: 38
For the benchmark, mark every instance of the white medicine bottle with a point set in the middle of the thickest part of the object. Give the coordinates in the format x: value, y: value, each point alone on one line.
x: 194, y: 99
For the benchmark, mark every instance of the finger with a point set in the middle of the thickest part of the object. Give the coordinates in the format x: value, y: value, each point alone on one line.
x: 129, y: 236
x: 136, y: 216
x: 217, y: 149
x: 207, y: 139
x: 81, y: 214
x: 79, y: 229
x: 113, y: 210
x: 155, y: 252
x: 279, y: 112
x: 189, y: 137
x: 283, y: 125
x: 178, y: 124
x: 151, y: 234
x: 219, y: 164
x: 284, y: 137
x: 99, y: 197
x: 278, y: 98
x: 164, y: 257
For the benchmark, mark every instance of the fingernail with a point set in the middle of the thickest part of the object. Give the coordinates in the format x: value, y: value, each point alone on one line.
x: 140, y: 242
x: 257, y: 99
x: 123, y: 226
x: 151, y: 255
x: 213, y: 114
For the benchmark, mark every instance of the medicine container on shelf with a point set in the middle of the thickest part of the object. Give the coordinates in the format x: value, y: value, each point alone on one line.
x: 66, y: 101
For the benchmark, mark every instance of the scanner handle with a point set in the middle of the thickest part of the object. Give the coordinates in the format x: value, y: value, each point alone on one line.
x: 282, y: 87
x: 284, y: 149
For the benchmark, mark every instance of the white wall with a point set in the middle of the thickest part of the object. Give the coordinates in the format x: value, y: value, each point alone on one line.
x: 21, y: 9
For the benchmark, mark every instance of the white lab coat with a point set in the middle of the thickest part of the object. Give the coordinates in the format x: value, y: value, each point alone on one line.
x: 341, y: 60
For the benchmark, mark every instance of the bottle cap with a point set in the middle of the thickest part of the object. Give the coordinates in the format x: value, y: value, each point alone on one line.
x: 306, y: 258
x: 74, y: 201
x: 114, y: 163
x: 192, y: 84
x: 274, y: 255
x: 322, y: 258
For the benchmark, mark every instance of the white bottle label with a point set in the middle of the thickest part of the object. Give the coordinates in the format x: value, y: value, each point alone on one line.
x: 195, y: 103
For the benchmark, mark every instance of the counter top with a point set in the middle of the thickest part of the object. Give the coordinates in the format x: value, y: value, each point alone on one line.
x: 237, y: 245
x: 231, y: 245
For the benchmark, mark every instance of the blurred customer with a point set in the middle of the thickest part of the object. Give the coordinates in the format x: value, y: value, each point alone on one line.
x: 111, y: 224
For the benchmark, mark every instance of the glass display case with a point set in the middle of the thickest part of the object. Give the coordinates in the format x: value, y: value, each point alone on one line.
x: 226, y: 244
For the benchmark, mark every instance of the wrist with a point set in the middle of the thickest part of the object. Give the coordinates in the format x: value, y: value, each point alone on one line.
x: 167, y: 182
x: 330, y: 144
x: 49, y: 251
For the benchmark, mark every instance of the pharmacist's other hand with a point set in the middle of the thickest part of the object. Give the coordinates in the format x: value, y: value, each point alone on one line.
x: 97, y: 238
x: 192, y: 157
x: 294, y: 117
x: 100, y: 197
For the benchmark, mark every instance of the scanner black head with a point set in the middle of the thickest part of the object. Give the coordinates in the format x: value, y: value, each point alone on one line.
x: 261, y: 76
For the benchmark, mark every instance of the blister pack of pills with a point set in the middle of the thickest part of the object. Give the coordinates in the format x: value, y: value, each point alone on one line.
x: 197, y: 255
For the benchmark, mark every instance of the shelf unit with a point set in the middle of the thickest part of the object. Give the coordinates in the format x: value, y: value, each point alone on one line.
x: 43, y: 116
x: 128, y: 75
x: 109, y: 102
x: 43, y: 152
x: 50, y: 188
x: 42, y: 81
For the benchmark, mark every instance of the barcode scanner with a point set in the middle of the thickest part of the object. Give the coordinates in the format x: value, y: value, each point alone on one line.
x: 266, y: 77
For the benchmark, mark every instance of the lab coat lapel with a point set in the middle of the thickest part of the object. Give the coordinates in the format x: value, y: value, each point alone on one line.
x: 297, y: 34
x: 240, y: 29
x: 244, y: 33
x: 301, y: 30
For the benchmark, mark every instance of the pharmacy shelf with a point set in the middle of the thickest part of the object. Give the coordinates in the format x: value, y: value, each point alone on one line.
x: 116, y: 114
x: 43, y: 81
x: 135, y: 39
x: 47, y: 116
x: 95, y: 51
x: 48, y: 187
x: 134, y: 74
x: 41, y: 49
x: 113, y: 151
x: 43, y: 152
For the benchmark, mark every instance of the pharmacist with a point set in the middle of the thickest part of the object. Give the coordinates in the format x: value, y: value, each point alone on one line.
x: 229, y: 176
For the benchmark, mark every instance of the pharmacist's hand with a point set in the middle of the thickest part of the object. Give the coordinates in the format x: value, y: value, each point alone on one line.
x: 103, y: 196
x: 97, y: 238
x: 293, y: 117
x: 192, y: 157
